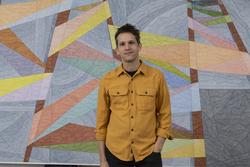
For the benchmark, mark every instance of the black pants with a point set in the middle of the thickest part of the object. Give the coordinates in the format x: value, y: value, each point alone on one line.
x: 153, y: 160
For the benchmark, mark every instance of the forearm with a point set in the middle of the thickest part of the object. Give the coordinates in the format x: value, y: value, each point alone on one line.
x: 159, y: 144
x: 101, y: 145
x: 164, y: 117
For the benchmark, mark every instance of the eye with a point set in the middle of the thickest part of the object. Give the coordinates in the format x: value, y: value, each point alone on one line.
x: 121, y: 44
x: 131, y: 42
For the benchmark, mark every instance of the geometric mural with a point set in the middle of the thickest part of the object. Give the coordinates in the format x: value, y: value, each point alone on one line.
x: 54, y: 52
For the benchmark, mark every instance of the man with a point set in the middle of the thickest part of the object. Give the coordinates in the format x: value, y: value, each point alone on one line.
x: 133, y: 115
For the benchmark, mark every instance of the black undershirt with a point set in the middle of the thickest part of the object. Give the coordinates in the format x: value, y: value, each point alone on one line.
x: 131, y: 73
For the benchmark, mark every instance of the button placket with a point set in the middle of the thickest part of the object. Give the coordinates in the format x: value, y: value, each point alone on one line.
x: 132, y: 111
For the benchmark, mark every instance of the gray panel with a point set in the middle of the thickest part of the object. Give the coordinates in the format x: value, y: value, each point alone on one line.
x: 239, y: 12
x: 226, y: 115
x: 98, y: 38
x: 172, y: 22
x: 248, y: 78
x: 183, y: 119
x: 37, y: 35
x: 211, y: 80
x: 118, y: 11
x: 160, y: 9
x: 132, y: 5
x: 6, y: 70
x: 39, y: 155
x: 14, y: 137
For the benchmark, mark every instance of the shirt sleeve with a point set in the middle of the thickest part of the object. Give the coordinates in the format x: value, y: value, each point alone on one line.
x: 163, y: 109
x: 103, y: 112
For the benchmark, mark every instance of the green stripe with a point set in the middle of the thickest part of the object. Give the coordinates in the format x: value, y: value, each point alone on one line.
x: 91, y: 147
x: 205, y: 11
x: 168, y: 67
x: 96, y: 68
x: 225, y: 19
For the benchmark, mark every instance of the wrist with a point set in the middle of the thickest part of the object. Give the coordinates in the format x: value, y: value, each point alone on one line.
x: 157, y: 148
x: 103, y: 161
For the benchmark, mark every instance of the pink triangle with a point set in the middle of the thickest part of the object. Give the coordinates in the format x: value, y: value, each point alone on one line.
x: 217, y: 41
x: 78, y: 49
x: 210, y: 35
x: 237, y: 66
x: 179, y: 90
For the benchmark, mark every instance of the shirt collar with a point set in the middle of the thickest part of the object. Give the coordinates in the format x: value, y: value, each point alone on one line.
x: 142, y: 69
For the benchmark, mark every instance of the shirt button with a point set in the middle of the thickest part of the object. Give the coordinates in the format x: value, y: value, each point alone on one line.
x: 132, y: 117
x: 146, y: 92
x: 118, y: 93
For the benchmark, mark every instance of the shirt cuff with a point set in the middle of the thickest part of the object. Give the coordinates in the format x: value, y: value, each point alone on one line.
x: 164, y: 133
x: 100, y: 134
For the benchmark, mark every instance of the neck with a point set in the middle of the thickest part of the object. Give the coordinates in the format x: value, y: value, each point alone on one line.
x: 131, y: 66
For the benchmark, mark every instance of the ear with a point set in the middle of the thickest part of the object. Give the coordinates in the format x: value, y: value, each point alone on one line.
x: 140, y: 46
x: 117, y: 51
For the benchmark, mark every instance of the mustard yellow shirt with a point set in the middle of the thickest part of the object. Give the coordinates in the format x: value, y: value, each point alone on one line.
x: 133, y: 111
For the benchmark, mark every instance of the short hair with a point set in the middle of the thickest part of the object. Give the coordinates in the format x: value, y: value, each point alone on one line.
x: 130, y: 29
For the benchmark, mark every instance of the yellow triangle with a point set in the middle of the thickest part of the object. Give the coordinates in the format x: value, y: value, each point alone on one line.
x: 93, y: 21
x: 148, y: 39
x: 184, y: 148
x: 88, y: 7
x: 11, y: 84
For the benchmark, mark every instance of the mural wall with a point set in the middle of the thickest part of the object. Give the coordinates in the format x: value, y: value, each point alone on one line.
x: 53, y: 53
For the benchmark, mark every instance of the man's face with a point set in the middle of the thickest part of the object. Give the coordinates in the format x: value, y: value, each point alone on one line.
x: 127, y: 47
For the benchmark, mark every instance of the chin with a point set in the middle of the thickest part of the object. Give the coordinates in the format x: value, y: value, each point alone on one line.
x: 129, y: 60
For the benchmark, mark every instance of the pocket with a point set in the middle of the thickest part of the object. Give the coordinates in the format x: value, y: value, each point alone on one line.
x: 119, y: 98
x: 145, y: 98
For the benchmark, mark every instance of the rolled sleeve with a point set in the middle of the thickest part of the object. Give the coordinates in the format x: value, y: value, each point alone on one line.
x: 163, y: 108
x: 103, y: 112
x: 100, y: 134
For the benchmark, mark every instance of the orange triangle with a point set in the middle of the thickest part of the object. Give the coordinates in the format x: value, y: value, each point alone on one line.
x: 70, y: 133
x: 9, y: 39
x: 173, y: 54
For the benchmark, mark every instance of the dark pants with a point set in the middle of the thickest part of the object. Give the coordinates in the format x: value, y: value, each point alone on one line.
x: 153, y: 160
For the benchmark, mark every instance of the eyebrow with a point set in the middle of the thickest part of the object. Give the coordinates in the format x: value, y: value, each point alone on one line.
x: 131, y: 41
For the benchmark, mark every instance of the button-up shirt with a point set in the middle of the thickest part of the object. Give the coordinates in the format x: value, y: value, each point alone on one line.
x: 133, y: 111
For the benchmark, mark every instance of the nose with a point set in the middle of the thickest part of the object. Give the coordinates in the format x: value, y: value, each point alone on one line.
x: 127, y: 46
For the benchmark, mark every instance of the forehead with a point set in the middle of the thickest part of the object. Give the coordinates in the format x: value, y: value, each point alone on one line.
x: 126, y: 36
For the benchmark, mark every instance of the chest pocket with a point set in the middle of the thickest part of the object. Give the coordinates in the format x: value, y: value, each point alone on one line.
x: 119, y: 98
x: 145, y: 98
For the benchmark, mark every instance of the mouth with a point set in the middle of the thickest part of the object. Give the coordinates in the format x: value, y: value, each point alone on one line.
x: 128, y: 53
